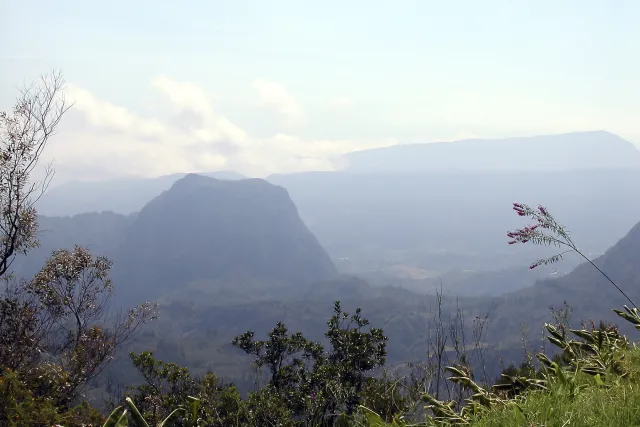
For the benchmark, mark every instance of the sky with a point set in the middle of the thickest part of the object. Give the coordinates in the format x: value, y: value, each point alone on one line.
x: 262, y: 87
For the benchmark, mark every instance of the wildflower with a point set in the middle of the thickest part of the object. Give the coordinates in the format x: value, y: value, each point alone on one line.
x: 519, y: 208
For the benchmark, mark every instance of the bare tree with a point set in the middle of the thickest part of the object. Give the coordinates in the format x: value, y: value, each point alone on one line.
x: 24, y: 133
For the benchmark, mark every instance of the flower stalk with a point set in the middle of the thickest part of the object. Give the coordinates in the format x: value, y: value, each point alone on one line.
x: 547, y: 231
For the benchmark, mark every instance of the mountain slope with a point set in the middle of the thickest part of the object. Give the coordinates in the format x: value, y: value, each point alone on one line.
x: 580, y: 150
x: 230, y: 231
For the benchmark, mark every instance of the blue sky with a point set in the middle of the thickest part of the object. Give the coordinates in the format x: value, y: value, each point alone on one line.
x: 310, y: 80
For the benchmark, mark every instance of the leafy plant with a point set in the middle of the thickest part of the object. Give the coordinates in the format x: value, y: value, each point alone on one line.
x: 183, y: 416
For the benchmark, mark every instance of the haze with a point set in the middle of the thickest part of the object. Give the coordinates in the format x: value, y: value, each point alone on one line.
x: 285, y: 86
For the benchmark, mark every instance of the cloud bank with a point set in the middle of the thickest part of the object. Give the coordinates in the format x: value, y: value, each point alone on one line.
x: 101, y: 140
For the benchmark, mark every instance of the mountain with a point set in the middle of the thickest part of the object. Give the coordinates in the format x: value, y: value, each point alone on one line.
x: 234, y: 232
x: 122, y: 195
x: 580, y: 150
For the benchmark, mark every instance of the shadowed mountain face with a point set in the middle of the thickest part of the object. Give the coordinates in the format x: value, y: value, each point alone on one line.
x: 121, y: 195
x: 582, y: 150
x: 203, y: 228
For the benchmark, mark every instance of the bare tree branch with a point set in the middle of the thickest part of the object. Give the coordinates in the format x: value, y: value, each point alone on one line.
x: 24, y: 133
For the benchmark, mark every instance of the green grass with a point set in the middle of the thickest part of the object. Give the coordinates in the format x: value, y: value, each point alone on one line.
x: 616, y: 405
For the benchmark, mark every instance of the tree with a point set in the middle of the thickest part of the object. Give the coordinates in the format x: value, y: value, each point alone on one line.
x: 355, y: 353
x: 315, y: 384
x: 24, y: 133
x: 56, y: 332
x: 59, y: 321
x: 167, y: 385
x: 73, y: 291
x: 283, y: 354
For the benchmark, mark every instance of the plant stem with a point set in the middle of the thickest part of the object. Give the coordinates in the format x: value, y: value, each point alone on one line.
x: 607, y: 277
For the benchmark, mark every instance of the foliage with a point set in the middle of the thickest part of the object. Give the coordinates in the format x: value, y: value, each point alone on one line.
x: 314, y: 383
x: 185, y: 415
x: 168, y: 385
x: 58, y: 322
x: 22, y: 406
x: 613, y: 402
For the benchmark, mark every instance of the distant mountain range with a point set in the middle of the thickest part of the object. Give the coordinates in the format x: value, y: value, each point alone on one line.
x: 581, y: 150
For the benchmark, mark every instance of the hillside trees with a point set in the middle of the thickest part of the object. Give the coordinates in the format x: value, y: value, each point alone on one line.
x: 308, y: 383
x: 56, y: 332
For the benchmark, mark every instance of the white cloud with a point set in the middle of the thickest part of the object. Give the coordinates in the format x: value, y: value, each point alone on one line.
x: 274, y: 95
x: 341, y: 102
x: 100, y: 140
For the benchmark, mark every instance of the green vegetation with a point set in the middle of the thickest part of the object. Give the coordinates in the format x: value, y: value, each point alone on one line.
x: 57, y: 335
x: 611, y: 402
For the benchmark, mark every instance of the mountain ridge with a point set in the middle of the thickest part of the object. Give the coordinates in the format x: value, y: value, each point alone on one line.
x: 575, y: 150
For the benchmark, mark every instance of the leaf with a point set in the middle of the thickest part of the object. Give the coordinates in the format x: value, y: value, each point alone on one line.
x: 172, y: 417
x: 135, y: 414
x: 599, y: 381
x: 194, y: 404
x: 118, y: 418
x: 373, y: 419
